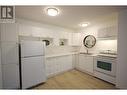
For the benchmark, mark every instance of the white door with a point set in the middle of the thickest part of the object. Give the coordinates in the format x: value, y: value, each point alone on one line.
x: 10, y: 74
x: 33, y: 71
x: 32, y: 48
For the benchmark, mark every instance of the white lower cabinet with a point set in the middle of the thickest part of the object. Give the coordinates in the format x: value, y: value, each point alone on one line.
x: 75, y: 60
x: 10, y: 76
x: 10, y: 65
x: 58, y: 64
x: 85, y: 63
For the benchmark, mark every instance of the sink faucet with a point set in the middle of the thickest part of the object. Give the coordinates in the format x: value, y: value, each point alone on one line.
x: 87, y: 51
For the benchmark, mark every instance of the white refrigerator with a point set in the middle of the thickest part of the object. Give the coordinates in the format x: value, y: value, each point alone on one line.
x: 32, y: 63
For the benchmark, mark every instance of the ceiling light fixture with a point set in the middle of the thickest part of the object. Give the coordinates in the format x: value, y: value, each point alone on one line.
x: 84, y: 24
x: 52, y: 11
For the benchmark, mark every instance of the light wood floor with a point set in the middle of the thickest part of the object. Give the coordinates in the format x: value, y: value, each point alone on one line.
x: 75, y: 80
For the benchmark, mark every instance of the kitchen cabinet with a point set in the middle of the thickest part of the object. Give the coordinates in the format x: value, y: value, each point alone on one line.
x: 55, y: 65
x: 9, y: 55
x: 10, y: 76
x: 75, y: 39
x: 49, y: 63
x: 34, y: 31
x: 9, y: 32
x: 107, y: 32
x: 85, y: 63
x: 9, y: 52
x: 75, y: 60
x: 25, y: 30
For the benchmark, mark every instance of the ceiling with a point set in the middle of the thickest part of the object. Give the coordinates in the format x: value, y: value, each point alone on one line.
x: 69, y: 17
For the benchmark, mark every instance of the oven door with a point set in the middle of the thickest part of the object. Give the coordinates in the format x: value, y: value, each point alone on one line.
x: 106, y: 65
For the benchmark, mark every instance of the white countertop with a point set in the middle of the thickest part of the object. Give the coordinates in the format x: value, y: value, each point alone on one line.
x: 71, y: 53
x: 60, y: 54
x: 89, y: 54
x: 108, y: 55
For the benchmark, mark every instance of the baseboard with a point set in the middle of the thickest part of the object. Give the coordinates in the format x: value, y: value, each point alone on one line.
x: 79, y: 69
x: 58, y: 73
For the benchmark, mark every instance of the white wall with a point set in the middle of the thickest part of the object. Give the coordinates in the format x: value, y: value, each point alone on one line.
x: 100, y: 44
x: 121, y: 76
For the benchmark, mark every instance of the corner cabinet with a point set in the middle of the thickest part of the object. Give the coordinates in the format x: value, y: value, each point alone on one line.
x: 86, y: 63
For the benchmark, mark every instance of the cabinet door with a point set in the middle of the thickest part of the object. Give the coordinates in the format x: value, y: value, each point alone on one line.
x: 102, y: 33
x: 9, y: 53
x: 75, y: 60
x: 36, y: 32
x: 76, y: 39
x: 10, y: 74
x: 70, y: 39
x: 9, y: 32
x: 88, y: 64
x: 81, y: 61
x: 49, y: 68
x: 107, y: 32
x: 85, y: 63
x: 25, y: 30
x: 58, y: 63
x: 68, y: 62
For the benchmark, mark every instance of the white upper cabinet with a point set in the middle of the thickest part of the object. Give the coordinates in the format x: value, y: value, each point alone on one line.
x: 76, y: 39
x: 72, y: 39
x: 25, y: 30
x: 9, y: 32
x: 107, y: 32
x: 36, y: 32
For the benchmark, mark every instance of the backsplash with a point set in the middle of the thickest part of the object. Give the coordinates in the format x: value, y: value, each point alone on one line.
x: 102, y: 45
x: 107, y: 45
x: 60, y: 49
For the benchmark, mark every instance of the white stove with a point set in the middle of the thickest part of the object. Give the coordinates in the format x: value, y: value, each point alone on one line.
x: 105, y: 66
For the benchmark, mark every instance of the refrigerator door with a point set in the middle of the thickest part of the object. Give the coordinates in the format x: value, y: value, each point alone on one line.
x: 32, y: 48
x: 33, y: 71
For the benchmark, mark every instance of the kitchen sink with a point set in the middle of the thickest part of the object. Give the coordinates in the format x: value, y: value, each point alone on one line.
x: 86, y: 53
